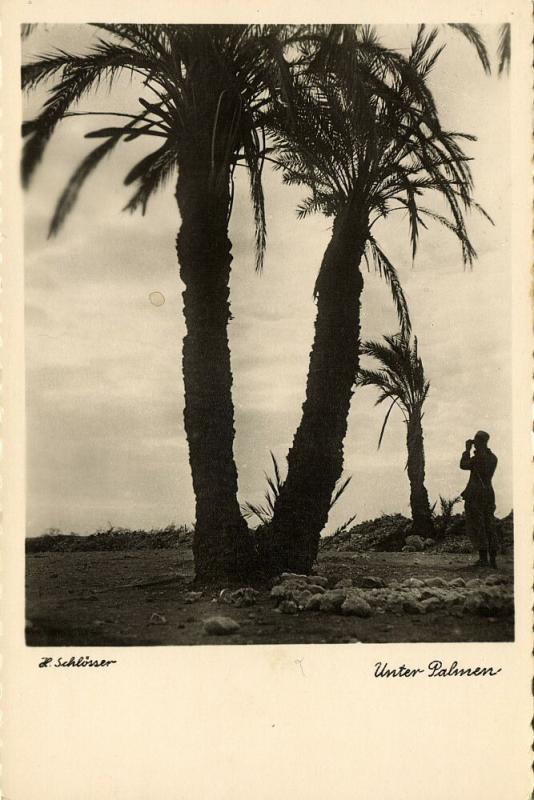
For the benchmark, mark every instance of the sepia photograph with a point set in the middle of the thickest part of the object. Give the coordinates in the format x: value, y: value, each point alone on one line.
x: 268, y: 334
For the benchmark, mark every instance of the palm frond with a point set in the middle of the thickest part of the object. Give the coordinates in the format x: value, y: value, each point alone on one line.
x: 76, y: 181
x: 79, y: 75
x: 504, y: 50
x: 474, y: 37
x: 156, y: 170
x: 387, y: 271
x: 340, y: 487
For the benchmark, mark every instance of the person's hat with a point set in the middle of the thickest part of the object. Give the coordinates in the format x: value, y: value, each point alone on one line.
x: 481, y: 436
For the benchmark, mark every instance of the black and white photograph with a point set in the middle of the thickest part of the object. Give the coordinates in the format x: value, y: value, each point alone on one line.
x: 268, y: 333
x: 266, y: 403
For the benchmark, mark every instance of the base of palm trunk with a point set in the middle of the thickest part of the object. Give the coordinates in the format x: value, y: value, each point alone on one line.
x: 423, y: 526
x: 281, y: 550
x: 225, y: 556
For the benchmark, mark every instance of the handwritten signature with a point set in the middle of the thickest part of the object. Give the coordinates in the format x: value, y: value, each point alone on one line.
x: 81, y: 661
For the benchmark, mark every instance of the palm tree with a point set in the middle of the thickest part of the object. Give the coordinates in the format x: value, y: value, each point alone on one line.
x: 401, y: 380
x: 365, y: 139
x: 203, y: 88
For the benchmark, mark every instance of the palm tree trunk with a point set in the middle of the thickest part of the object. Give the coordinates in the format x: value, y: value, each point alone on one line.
x: 315, y: 461
x: 419, y: 503
x: 222, y: 545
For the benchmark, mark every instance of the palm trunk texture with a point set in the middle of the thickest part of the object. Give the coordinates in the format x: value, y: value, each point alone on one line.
x: 419, y: 503
x: 222, y: 545
x: 315, y: 460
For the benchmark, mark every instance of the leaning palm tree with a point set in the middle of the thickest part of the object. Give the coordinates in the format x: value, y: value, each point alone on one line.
x: 401, y: 381
x: 202, y: 90
x: 365, y: 139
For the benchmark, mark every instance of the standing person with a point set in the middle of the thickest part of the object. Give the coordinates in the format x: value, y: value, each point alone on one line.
x: 479, y: 498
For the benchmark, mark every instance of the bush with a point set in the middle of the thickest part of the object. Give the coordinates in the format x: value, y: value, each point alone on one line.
x: 111, y: 539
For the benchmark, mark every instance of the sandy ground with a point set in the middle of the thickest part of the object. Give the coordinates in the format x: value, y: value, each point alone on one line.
x: 125, y: 598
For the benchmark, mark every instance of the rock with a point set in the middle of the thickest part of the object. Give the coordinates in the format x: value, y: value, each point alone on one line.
x: 474, y: 583
x: 315, y: 588
x: 437, y: 581
x: 279, y: 592
x: 293, y: 576
x: 408, y: 548
x: 357, y: 606
x: 370, y: 582
x: 332, y: 600
x: 395, y: 606
x: 417, y: 542
x: 191, y: 597
x: 431, y: 603
x: 413, y: 582
x: 318, y: 580
x: 242, y: 597
x: 157, y: 619
x: 457, y: 582
x: 493, y: 580
x: 344, y: 583
x: 300, y: 598
x: 314, y: 602
x: 428, y: 543
x: 484, y: 603
x: 288, y: 607
x: 220, y: 626
x: 413, y: 606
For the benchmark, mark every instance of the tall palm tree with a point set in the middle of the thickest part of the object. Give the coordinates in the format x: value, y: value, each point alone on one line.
x: 202, y: 91
x: 365, y: 139
x: 401, y: 380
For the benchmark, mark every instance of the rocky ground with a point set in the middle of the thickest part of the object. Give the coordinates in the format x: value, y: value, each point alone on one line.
x: 414, y: 593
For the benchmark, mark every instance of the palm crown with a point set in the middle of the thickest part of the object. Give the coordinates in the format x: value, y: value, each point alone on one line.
x: 401, y: 377
x: 203, y: 88
x: 364, y: 137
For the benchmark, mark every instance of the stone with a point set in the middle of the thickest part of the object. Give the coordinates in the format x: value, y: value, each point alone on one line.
x: 332, y: 600
x: 437, y: 581
x: 220, y: 626
x: 356, y: 606
x: 417, y: 542
x: 474, y: 583
x: 246, y: 596
x: 318, y: 580
x: 493, y: 580
x: 395, y: 606
x: 192, y: 597
x: 157, y: 619
x: 279, y: 592
x: 344, y: 583
x: 300, y: 598
x: 413, y: 582
x: 370, y: 582
x: 431, y: 603
x: 315, y: 588
x: 314, y: 602
x: 293, y: 576
x: 288, y: 607
x: 483, y: 603
x: 457, y: 582
x: 413, y: 606
x: 408, y: 548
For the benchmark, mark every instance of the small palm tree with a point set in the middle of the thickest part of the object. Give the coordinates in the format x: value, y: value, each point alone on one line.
x: 366, y: 140
x: 202, y: 91
x: 401, y: 381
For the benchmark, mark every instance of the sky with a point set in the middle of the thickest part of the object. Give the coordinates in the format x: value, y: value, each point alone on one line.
x: 105, y: 436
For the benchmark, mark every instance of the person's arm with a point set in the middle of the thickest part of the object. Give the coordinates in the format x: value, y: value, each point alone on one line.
x: 466, y: 459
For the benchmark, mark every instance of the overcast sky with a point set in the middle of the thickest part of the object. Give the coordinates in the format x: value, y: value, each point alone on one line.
x: 106, y: 441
